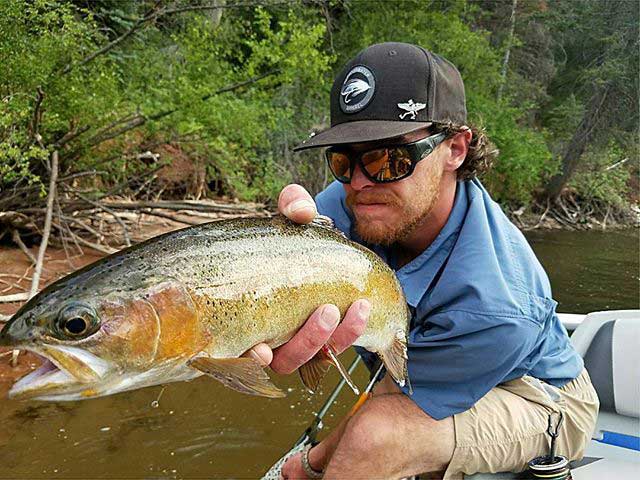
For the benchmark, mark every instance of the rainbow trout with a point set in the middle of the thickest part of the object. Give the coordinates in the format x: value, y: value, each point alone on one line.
x: 192, y: 301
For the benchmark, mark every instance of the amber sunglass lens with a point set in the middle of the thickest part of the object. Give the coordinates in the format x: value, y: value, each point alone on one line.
x: 376, y: 163
x: 340, y: 165
x: 399, y: 162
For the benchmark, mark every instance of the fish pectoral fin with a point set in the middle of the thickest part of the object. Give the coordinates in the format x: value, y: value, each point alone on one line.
x: 315, y: 369
x: 395, y: 360
x: 312, y: 372
x: 244, y: 375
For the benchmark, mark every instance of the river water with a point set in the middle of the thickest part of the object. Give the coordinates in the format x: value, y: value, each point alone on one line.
x: 203, y: 430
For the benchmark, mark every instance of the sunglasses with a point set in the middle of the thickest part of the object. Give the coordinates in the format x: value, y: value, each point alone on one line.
x: 384, y: 164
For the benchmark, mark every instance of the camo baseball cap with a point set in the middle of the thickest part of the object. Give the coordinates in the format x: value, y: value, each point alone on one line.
x: 388, y: 90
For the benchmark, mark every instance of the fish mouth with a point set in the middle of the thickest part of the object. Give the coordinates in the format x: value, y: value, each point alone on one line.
x: 66, y: 373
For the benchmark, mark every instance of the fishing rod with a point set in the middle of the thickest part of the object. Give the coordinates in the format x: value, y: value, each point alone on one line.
x: 310, y: 434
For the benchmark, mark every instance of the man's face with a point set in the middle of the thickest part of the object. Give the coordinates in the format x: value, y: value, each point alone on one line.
x: 386, y: 213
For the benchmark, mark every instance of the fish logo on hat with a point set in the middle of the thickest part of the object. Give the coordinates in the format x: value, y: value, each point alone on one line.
x: 357, y: 89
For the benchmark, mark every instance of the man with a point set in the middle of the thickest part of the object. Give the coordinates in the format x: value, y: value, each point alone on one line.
x: 488, y: 357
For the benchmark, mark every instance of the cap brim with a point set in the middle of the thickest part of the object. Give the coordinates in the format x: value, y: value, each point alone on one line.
x: 361, y: 132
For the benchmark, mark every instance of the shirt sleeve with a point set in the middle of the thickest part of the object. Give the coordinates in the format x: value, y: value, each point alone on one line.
x: 456, y: 357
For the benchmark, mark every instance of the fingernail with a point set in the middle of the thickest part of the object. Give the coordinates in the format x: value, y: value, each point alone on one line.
x: 364, y: 309
x: 328, y: 317
x: 299, y: 205
x: 257, y: 358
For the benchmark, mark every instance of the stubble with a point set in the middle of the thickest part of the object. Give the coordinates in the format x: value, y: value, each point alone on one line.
x: 411, y: 211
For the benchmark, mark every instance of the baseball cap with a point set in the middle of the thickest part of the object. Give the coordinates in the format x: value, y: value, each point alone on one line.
x: 388, y: 90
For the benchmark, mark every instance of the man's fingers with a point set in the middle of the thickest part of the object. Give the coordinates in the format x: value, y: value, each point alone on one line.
x: 352, y: 326
x: 322, y: 327
x: 307, y: 341
x: 261, y: 353
x: 296, y: 204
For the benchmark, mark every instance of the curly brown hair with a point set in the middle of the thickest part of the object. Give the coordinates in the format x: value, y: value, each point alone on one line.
x: 482, y: 152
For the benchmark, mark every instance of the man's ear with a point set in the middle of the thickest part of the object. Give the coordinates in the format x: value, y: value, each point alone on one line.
x: 458, y: 148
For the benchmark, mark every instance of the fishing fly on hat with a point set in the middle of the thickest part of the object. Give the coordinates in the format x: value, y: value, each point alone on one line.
x: 388, y: 90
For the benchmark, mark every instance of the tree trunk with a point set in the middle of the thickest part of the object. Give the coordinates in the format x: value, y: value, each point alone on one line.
x: 507, y: 53
x: 578, y: 143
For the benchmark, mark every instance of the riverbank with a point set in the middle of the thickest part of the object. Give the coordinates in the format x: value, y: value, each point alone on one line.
x: 562, y: 218
x: 16, y: 267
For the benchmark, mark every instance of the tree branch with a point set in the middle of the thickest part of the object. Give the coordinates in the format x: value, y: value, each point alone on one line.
x: 141, y: 119
x: 35, y: 282
x: 125, y: 230
x: 154, y: 14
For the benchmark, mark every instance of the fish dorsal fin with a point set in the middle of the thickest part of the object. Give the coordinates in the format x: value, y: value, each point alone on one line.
x: 326, y: 222
x: 323, y: 221
x: 245, y: 375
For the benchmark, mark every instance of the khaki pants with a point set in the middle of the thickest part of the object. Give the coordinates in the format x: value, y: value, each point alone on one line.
x: 507, y: 427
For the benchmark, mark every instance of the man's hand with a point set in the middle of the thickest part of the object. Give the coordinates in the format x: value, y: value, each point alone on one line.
x: 323, y: 326
x: 295, y: 203
x: 292, y: 469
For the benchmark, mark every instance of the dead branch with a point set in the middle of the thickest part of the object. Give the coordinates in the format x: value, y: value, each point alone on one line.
x: 154, y: 14
x: 35, y: 282
x: 15, y: 236
x: 542, y: 217
x: 101, y: 206
x: 99, y: 236
x: 86, y: 243
x: 14, y: 358
x: 70, y: 135
x: 20, y: 278
x: 168, y: 216
x: 184, y: 205
x: 14, y: 297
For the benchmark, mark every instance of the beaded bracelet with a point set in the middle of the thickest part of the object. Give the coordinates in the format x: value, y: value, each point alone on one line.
x: 306, y: 466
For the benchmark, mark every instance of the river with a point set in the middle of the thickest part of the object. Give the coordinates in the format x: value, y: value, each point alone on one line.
x: 203, y: 430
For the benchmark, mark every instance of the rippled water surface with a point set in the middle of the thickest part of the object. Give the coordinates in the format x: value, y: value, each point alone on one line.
x: 203, y: 430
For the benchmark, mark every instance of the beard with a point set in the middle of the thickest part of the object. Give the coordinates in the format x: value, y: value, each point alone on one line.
x: 411, y: 210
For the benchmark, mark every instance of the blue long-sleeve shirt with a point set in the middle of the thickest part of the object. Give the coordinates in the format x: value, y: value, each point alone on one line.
x: 481, y: 302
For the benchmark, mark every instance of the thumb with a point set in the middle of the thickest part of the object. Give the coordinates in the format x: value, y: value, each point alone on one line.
x: 296, y: 204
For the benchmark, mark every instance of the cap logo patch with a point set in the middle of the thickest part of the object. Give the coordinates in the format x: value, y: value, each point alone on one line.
x: 411, y: 109
x: 357, y: 89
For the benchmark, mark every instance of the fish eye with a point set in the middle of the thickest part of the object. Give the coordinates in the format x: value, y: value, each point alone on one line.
x: 76, y: 321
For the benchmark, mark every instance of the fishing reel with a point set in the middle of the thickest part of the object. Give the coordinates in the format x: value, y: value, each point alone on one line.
x: 551, y: 466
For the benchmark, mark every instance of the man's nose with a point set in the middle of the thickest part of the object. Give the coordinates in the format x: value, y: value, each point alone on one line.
x: 359, y: 181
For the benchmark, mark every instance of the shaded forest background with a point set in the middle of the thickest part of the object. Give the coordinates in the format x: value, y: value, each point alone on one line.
x: 175, y: 99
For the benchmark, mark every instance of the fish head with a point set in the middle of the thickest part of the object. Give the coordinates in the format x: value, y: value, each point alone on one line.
x: 95, y: 345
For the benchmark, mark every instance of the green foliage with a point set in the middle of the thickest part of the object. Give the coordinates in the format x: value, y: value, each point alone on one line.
x: 604, y: 176
x: 524, y: 158
x: 159, y: 85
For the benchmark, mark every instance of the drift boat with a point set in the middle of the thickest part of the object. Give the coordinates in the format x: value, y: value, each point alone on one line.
x: 609, y: 343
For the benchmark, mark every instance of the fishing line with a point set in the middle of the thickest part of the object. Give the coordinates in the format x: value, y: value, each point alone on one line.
x: 156, y: 402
